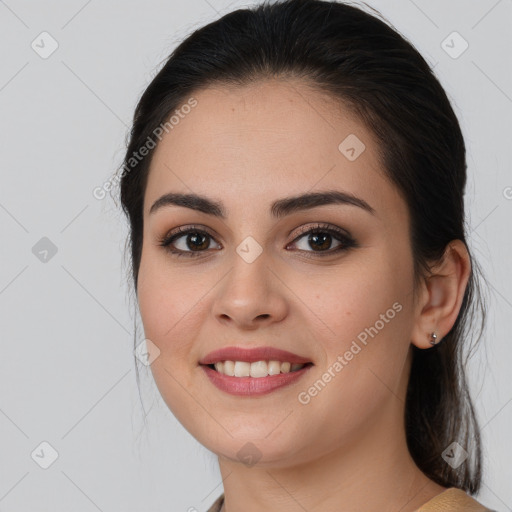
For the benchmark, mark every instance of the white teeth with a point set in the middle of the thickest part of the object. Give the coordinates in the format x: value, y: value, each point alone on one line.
x: 274, y: 367
x: 242, y: 369
x: 257, y: 369
x: 229, y: 368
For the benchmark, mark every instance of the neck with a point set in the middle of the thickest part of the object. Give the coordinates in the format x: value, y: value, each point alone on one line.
x: 372, y: 473
x: 326, y: 483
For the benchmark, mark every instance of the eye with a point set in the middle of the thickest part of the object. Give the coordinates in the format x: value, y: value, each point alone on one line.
x: 187, y: 241
x: 321, y: 238
x: 191, y: 241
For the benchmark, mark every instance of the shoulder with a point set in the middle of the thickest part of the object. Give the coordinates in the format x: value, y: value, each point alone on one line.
x: 453, y: 500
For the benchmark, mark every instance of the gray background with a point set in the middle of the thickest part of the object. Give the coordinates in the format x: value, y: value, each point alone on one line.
x: 67, y: 375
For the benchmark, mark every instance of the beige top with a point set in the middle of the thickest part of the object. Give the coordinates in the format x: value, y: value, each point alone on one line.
x: 451, y: 500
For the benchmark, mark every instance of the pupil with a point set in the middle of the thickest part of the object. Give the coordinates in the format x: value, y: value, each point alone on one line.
x: 194, y: 237
x: 325, y: 237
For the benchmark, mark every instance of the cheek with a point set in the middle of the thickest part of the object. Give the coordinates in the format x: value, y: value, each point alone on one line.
x: 343, y: 302
x: 365, y: 321
x: 169, y: 304
x: 363, y: 316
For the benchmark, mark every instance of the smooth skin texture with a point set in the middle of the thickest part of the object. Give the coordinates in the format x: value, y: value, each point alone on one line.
x: 246, y: 147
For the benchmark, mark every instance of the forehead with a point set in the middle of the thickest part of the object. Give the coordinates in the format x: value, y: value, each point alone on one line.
x: 265, y: 141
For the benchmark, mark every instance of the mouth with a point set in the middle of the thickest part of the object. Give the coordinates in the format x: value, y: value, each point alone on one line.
x: 252, y: 355
x: 253, y: 371
x: 257, y: 369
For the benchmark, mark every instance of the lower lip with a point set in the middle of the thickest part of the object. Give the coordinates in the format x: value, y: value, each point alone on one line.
x: 251, y: 386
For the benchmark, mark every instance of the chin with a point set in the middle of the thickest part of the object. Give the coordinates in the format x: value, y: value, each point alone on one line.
x: 258, y: 450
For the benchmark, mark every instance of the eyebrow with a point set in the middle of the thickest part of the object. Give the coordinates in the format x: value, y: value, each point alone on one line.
x: 278, y: 209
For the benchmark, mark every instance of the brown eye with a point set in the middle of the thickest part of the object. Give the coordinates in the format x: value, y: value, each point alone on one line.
x: 320, y: 240
x: 196, y: 241
x: 193, y: 241
x: 187, y: 241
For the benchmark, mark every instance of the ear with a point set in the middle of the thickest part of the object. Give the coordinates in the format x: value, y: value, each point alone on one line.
x: 441, y: 295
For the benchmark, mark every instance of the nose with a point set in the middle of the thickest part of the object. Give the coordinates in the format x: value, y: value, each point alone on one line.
x: 251, y: 295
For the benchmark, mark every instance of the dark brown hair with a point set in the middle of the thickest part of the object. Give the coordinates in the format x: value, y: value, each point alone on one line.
x: 368, y: 66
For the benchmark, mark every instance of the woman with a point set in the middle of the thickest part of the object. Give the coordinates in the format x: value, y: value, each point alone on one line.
x: 294, y: 184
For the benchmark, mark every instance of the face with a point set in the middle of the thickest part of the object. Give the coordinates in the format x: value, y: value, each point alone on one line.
x: 330, y: 282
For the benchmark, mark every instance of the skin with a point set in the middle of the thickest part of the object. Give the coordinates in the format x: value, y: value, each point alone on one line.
x: 246, y: 147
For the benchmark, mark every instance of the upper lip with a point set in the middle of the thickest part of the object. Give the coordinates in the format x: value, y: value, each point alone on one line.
x: 252, y: 355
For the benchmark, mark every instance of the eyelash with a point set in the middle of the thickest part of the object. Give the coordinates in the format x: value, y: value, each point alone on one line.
x: 346, y: 241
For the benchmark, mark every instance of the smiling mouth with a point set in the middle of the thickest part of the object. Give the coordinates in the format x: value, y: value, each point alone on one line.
x: 256, y: 369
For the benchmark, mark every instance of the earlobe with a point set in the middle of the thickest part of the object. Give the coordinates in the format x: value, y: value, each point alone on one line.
x: 442, y: 296
x: 434, y: 338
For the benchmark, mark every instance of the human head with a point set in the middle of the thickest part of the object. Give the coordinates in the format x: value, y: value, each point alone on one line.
x: 380, y: 79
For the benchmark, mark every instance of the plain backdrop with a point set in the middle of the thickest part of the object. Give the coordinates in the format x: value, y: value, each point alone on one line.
x: 68, y: 393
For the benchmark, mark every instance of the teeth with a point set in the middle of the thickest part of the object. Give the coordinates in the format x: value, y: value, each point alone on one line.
x: 285, y: 367
x: 274, y: 367
x: 229, y: 368
x: 242, y: 369
x: 257, y: 369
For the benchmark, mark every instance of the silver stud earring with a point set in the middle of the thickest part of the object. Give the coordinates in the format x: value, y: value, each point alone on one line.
x: 433, y: 338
